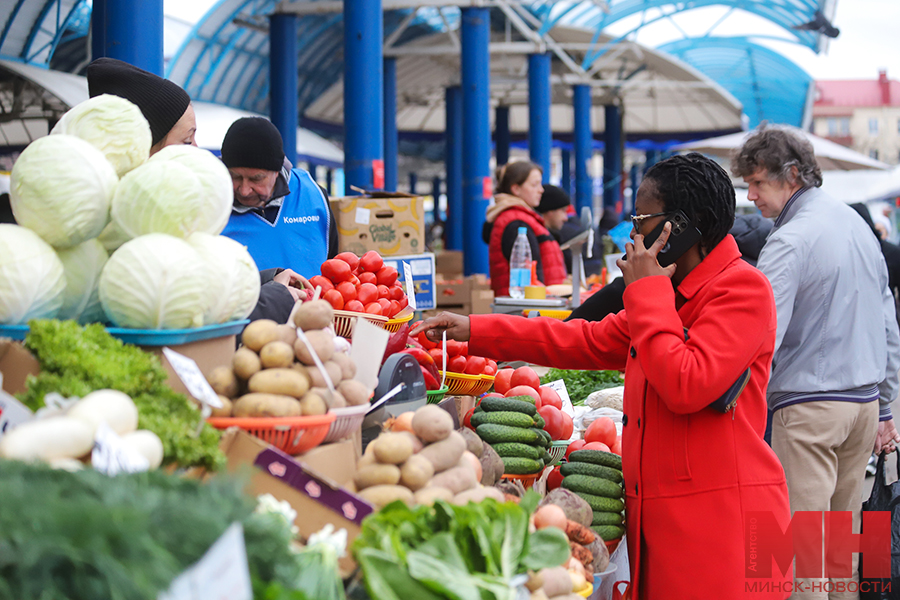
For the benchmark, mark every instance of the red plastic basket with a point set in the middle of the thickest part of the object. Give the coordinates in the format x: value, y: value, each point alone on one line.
x: 294, y: 435
x: 527, y: 480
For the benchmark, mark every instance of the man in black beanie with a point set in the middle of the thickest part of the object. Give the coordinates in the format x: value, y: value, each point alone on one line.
x: 164, y: 104
x: 554, y: 207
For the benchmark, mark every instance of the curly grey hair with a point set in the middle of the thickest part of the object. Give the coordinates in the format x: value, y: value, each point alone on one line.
x: 778, y: 151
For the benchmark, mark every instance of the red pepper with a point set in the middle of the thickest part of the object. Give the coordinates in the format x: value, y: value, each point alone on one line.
x: 431, y: 383
x: 396, y: 342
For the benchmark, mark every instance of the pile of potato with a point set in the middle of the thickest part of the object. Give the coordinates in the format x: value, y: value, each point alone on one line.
x: 274, y: 374
x: 428, y: 463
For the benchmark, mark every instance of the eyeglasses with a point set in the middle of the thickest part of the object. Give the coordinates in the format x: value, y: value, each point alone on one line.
x: 636, y: 220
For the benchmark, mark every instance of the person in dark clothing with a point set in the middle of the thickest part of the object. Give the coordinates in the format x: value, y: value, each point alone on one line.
x: 554, y: 207
x: 750, y: 232
x: 6, y: 213
x: 890, y: 251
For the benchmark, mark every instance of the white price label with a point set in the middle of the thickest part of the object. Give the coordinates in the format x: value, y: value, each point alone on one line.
x: 189, y: 374
x: 363, y: 216
x: 12, y: 413
x: 113, y: 456
x: 559, y: 386
x: 221, y: 574
x: 410, y: 286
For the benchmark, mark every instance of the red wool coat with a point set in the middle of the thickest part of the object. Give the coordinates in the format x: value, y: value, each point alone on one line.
x: 691, y: 473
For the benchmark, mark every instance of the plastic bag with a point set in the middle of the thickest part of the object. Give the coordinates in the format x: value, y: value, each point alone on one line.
x: 884, y: 496
x: 586, y: 416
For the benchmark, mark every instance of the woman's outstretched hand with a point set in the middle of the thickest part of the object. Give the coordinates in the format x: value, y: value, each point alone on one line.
x: 642, y: 262
x: 456, y: 326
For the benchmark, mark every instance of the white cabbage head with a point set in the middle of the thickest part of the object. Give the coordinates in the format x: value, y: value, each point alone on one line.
x: 155, y: 281
x: 83, y: 264
x: 32, y: 282
x: 114, y: 126
x: 218, y: 191
x: 61, y: 188
x: 112, y: 237
x: 234, y: 278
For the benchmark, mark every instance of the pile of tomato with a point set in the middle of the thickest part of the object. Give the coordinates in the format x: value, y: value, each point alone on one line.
x: 458, y: 358
x: 361, y: 284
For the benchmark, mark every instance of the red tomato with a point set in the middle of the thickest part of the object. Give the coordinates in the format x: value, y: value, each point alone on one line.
x: 617, y: 447
x: 354, y: 280
x: 490, y: 369
x: 552, y: 421
x: 385, y: 306
x: 322, y: 282
x: 373, y: 308
x: 554, y: 479
x: 395, y: 308
x: 355, y: 306
x: 525, y: 376
x: 334, y: 298
x: 568, y: 427
x: 349, y: 258
x: 347, y: 290
x: 422, y: 338
x: 475, y: 365
x: 336, y: 270
x: 493, y: 395
x: 368, y: 278
x: 371, y: 262
x: 367, y: 293
x: 404, y: 302
x: 387, y: 275
x: 384, y: 292
x: 438, y: 355
x: 457, y: 364
x: 576, y: 445
x: 454, y: 348
x: 501, y: 382
x: 493, y: 363
x: 524, y: 390
x: 396, y: 293
x: 550, y: 397
x: 467, y: 421
x: 602, y: 430
x: 596, y: 446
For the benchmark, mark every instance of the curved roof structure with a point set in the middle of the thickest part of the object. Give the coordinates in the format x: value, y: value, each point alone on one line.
x: 34, y: 28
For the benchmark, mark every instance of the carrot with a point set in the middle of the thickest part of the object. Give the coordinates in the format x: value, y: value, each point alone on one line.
x: 582, y: 555
x: 578, y: 533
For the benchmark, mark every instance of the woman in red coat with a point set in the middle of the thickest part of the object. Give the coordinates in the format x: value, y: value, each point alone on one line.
x: 519, y: 192
x: 687, y: 334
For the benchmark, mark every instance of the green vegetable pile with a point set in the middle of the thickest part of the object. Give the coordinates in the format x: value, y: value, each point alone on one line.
x: 77, y: 360
x: 581, y: 384
x: 74, y: 536
x: 470, y: 552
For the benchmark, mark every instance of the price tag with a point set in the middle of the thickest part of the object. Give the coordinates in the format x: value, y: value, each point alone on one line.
x: 189, y: 374
x: 12, y: 413
x: 559, y: 386
x: 363, y: 216
x: 112, y: 456
x: 221, y: 574
x: 410, y: 286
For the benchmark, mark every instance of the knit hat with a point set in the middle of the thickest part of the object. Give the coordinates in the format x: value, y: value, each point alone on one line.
x: 253, y: 143
x: 161, y: 101
x: 553, y: 198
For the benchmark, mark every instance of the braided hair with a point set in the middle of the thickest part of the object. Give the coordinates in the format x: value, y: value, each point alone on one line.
x: 701, y: 189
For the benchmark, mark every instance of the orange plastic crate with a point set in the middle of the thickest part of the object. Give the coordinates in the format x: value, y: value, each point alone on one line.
x: 294, y: 435
x: 527, y: 480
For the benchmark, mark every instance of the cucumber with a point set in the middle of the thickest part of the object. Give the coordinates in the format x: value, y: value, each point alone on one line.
x: 597, y: 457
x: 608, y: 532
x: 513, y: 419
x: 545, y: 436
x: 601, y: 504
x: 525, y: 398
x: 497, y: 434
x: 546, y: 458
x: 516, y: 465
x: 478, y: 409
x: 539, y: 421
x: 584, y: 468
x: 607, y: 518
x: 596, y: 486
x: 521, y: 450
x: 507, y: 404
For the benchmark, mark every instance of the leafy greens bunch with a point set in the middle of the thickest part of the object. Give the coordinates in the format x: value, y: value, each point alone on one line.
x: 581, y: 384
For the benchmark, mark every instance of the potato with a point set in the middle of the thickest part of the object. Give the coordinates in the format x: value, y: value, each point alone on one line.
x: 365, y: 460
x: 471, y: 461
x: 334, y: 372
x: 348, y: 367
x: 457, y: 479
x: 287, y: 382
x: 287, y: 334
x: 576, y: 508
x: 224, y: 382
x: 314, y: 315
x: 392, y: 448
x: 245, y: 363
x: 416, y: 472
x: 275, y: 355
x: 313, y: 404
x: 432, y: 423
x: 316, y: 379
x: 337, y: 401
x: 478, y: 494
x: 355, y: 392
x: 322, y: 343
x: 227, y: 406
x: 382, y: 495
x: 376, y: 475
x: 556, y: 581
x: 304, y: 371
x: 259, y: 333
x: 446, y: 453
x: 416, y: 442
x: 266, y: 405
x: 428, y: 495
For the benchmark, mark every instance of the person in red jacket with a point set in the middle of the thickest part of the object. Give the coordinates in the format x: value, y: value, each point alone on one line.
x: 689, y: 331
x: 519, y: 193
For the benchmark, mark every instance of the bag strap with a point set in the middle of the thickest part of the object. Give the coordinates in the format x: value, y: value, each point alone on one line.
x: 618, y: 595
x: 879, y: 472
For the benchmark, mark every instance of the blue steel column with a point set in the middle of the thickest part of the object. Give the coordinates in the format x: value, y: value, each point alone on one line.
x: 582, y: 141
x: 635, y: 183
x: 476, y: 101
x: 565, y: 181
x: 540, y: 137
x: 612, y: 160
x: 453, y: 137
x: 436, y: 194
x: 413, y: 182
x: 329, y: 181
x: 390, y: 124
x: 283, y: 80
x: 653, y: 157
x: 502, y: 139
x: 363, y: 91
x: 129, y: 30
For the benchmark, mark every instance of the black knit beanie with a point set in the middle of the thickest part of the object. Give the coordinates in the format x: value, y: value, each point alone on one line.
x: 161, y: 101
x: 253, y: 143
x: 552, y: 199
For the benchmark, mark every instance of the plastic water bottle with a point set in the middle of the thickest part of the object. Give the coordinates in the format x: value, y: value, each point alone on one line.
x: 520, y: 265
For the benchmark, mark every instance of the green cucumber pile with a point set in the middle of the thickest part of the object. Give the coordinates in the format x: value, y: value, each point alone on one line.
x: 515, y: 430
x: 596, y: 476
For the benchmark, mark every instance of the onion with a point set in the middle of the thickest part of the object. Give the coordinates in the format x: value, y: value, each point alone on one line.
x: 402, y: 422
x: 550, y: 515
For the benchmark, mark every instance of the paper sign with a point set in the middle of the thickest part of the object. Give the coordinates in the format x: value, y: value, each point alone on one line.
x: 410, y: 286
x: 363, y: 215
x: 112, y: 456
x: 189, y: 374
x: 12, y: 413
x: 487, y: 188
x: 378, y: 174
x: 222, y: 573
x: 366, y: 350
x: 559, y: 386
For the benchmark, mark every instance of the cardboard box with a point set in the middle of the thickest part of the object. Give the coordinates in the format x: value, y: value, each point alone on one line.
x: 449, y: 264
x: 208, y: 354
x: 389, y: 223
x: 16, y: 364
x: 422, y: 266
x: 456, y: 292
x: 317, y: 498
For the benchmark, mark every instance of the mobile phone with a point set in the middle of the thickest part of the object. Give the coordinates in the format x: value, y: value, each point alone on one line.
x: 683, y: 236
